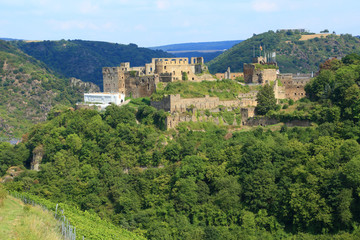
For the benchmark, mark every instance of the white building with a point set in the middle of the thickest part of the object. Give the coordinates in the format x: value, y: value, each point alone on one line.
x: 103, y: 99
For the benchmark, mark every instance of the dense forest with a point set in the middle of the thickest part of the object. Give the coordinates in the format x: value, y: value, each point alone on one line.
x: 296, y: 183
x: 292, y: 54
x: 85, y: 59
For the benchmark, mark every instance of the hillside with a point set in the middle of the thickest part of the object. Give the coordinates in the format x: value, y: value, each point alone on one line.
x: 20, y: 222
x: 28, y: 91
x: 85, y: 59
x: 292, y: 54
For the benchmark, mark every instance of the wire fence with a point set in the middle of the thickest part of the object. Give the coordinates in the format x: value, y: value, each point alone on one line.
x: 67, y: 230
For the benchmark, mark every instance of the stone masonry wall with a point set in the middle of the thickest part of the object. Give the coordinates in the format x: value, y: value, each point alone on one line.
x: 113, y: 80
x: 294, y: 86
x: 174, y: 103
x: 140, y: 86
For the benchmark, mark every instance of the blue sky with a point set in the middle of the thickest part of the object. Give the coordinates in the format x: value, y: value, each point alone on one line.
x: 159, y: 22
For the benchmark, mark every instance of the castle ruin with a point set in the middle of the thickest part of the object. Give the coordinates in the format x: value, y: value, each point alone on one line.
x: 138, y: 82
x: 260, y: 71
x: 141, y: 81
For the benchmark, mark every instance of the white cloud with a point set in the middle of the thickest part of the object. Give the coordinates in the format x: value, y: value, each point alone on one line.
x: 265, y: 6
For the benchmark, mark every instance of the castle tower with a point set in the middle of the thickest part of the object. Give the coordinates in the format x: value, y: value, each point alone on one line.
x: 114, y: 79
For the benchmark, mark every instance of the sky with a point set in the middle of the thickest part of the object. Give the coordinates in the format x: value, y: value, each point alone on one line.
x: 159, y: 22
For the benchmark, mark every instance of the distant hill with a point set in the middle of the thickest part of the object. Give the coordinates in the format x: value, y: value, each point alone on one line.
x: 85, y: 59
x: 292, y: 54
x: 208, y: 50
x: 28, y: 91
x: 220, y: 45
x: 9, y: 39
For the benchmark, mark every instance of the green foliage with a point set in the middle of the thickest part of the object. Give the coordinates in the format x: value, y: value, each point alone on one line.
x: 28, y: 90
x: 265, y: 100
x: 84, y: 59
x: 296, y: 183
x: 12, y: 155
x: 292, y: 55
x: 87, y: 224
x: 228, y: 117
x: 184, y: 76
x: 339, y: 87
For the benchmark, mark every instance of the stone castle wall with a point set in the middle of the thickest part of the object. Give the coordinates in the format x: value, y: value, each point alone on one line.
x: 294, y: 85
x: 174, y: 103
x: 175, y: 118
x: 141, y: 81
x: 232, y: 76
x: 140, y: 86
x: 260, y: 76
x: 113, y: 80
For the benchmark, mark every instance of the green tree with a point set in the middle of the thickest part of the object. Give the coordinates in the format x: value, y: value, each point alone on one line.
x: 265, y: 100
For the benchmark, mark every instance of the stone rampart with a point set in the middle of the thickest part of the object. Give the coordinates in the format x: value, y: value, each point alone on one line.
x: 174, y: 103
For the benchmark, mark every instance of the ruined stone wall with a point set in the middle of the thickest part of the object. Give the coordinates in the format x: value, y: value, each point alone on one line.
x: 163, y: 104
x: 261, y: 76
x: 268, y: 75
x: 175, y: 118
x: 113, y: 80
x: 197, y: 60
x: 279, y: 91
x: 233, y: 75
x: 165, y: 77
x: 220, y: 76
x: 248, y: 102
x: 251, y: 94
x: 294, y: 85
x: 174, y: 103
x: 140, y: 86
x: 249, y: 73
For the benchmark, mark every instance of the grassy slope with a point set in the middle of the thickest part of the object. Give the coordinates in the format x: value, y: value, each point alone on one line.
x: 292, y: 55
x: 15, y: 223
x: 85, y: 59
x: 224, y: 89
x: 87, y: 224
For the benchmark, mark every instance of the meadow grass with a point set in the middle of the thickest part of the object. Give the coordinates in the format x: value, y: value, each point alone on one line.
x: 19, y: 221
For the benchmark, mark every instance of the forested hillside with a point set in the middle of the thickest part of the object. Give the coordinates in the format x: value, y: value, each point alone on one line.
x: 292, y: 54
x: 28, y: 91
x: 296, y: 183
x: 85, y: 59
